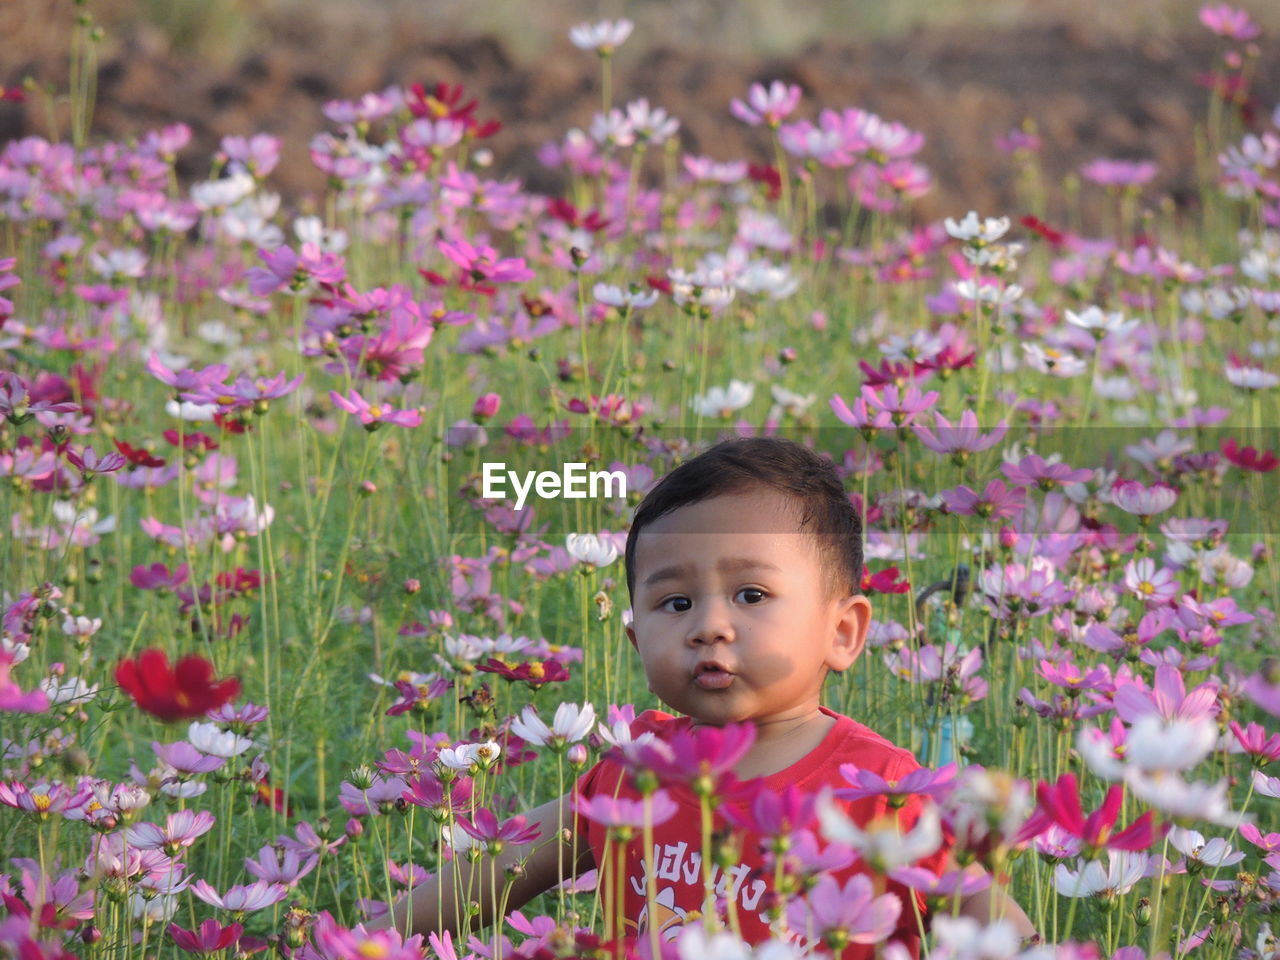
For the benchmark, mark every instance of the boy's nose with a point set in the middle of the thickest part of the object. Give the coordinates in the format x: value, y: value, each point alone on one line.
x: 713, y: 625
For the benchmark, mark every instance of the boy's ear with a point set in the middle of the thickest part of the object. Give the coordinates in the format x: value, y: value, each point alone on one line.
x: 631, y: 634
x: 850, y: 636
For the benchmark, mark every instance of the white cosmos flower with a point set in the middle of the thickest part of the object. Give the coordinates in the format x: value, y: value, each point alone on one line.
x: 988, y: 292
x: 1059, y: 363
x: 1156, y: 744
x: 83, y: 627
x: 794, y: 404
x: 613, y: 296
x: 1100, y: 323
x: 964, y: 938
x: 591, y: 549
x: 971, y: 229
x: 222, y: 193
x: 570, y: 725
x: 723, y: 401
x: 603, y: 37
x: 1098, y: 753
x: 1172, y: 795
x: 1091, y: 879
x: 71, y: 690
x: 882, y: 844
x: 464, y: 756
x: 1266, y: 786
x: 212, y: 739
x: 1212, y: 853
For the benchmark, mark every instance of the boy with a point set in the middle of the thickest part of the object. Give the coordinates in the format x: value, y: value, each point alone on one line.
x: 743, y: 566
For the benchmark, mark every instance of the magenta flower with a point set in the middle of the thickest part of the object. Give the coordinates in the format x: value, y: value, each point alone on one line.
x: 483, y: 264
x: 158, y: 577
x: 1073, y: 679
x: 286, y: 270
x: 272, y: 867
x: 767, y: 105
x: 246, y: 393
x: 841, y: 915
x: 1168, y: 699
x: 773, y: 814
x: 56, y: 903
x: 1228, y: 21
x: 941, y: 886
x: 242, y: 899
x: 619, y: 812
x: 12, y: 697
x: 90, y: 464
x: 183, y: 381
x: 1060, y: 804
x: 357, y: 943
x: 209, y: 937
x: 185, y: 758
x: 16, y: 404
x: 484, y: 827
x: 375, y: 415
x: 1254, y: 741
x: 1119, y: 173
x: 962, y: 439
x: 903, y: 406
x: 43, y: 798
x: 701, y: 758
x: 1264, y: 694
x: 861, y: 416
x: 921, y: 781
x: 1034, y: 470
x: 996, y: 500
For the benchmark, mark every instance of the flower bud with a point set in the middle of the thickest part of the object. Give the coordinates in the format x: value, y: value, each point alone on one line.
x: 412, y: 586
x: 577, y: 755
x: 486, y: 406
x: 354, y: 828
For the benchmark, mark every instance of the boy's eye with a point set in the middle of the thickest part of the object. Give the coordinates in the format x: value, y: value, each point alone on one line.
x: 676, y: 604
x: 751, y: 595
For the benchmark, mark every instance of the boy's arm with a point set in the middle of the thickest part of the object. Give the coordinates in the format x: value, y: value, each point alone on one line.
x: 434, y: 904
x: 994, y: 904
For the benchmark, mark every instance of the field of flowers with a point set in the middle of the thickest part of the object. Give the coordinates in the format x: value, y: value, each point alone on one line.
x: 273, y: 648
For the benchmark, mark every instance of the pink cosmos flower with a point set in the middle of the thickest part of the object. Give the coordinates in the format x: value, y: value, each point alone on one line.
x: 273, y: 867
x: 846, y: 914
x: 865, y: 418
x: 181, y: 829
x: 767, y: 105
x: 1132, y: 496
x: 1073, y: 679
x: 942, y: 886
x: 1168, y: 699
x: 340, y: 943
x: 1119, y: 173
x: 90, y: 464
x: 1035, y: 470
x: 16, y: 404
x: 963, y: 438
x: 484, y: 826
x: 374, y: 416
x: 1264, y: 694
x: 1228, y: 21
x: 774, y: 814
x: 620, y: 812
x: 183, y: 381
x: 921, y: 781
x: 903, y: 406
x: 244, y: 898
x: 51, y: 903
x: 186, y: 759
x: 158, y: 577
x: 996, y: 500
x: 701, y: 758
x: 245, y: 393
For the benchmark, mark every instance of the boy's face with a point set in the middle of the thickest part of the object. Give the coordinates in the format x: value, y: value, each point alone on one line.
x: 733, y: 618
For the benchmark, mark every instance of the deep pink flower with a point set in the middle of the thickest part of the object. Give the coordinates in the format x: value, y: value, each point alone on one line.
x: 286, y: 270
x: 158, y: 577
x: 183, y: 381
x: 16, y: 404
x: 1060, y: 804
x: 484, y: 826
x: 701, y: 758
x: 963, y: 438
x: 1264, y: 694
x: 339, y: 943
x: 12, y: 698
x: 902, y: 405
x: 922, y: 781
x: 287, y: 868
x: 90, y: 464
x: 484, y: 264
x: 1255, y: 741
x: 1119, y: 173
x: 1034, y: 470
x: 1073, y: 679
x: 209, y: 937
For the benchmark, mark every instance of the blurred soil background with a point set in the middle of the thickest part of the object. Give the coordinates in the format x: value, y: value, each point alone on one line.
x: 1113, y: 78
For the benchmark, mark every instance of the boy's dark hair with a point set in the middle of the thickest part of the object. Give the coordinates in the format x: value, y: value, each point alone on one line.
x: 807, y: 479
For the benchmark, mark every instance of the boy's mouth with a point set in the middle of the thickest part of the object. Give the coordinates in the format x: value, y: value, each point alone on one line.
x: 710, y: 675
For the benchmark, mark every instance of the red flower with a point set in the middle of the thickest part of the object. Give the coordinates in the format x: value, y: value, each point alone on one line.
x: 12, y: 93
x: 1249, y: 458
x: 197, y: 441
x: 182, y: 692
x: 769, y: 176
x: 137, y: 456
x: 1055, y: 237
x: 532, y: 673
x: 883, y: 581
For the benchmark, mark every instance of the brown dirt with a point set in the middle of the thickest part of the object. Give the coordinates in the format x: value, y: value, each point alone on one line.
x: 1091, y: 95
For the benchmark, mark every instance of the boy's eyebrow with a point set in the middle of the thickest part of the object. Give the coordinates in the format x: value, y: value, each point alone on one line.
x: 727, y: 565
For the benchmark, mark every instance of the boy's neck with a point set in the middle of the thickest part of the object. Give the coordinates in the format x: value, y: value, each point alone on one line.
x: 782, y: 743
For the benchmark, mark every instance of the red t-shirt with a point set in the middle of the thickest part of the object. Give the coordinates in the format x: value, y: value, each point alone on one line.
x: 678, y: 842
